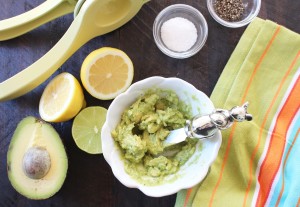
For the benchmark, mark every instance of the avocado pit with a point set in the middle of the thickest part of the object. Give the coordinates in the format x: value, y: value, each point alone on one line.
x: 36, y: 162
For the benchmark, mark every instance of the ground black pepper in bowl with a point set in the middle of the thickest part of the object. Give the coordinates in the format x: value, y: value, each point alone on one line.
x: 229, y: 10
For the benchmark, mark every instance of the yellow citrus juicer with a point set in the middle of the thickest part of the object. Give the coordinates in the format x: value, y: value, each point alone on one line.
x: 45, y: 12
x: 92, y: 18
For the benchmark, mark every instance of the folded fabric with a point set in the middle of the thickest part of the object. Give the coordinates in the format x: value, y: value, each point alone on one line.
x: 259, y: 161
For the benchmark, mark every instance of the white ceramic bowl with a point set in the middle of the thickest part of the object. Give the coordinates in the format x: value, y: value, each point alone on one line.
x: 194, y: 170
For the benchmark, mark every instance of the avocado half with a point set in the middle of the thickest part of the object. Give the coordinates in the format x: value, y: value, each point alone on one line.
x: 37, y: 162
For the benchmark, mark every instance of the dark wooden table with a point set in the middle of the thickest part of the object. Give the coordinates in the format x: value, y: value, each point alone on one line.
x: 90, y: 181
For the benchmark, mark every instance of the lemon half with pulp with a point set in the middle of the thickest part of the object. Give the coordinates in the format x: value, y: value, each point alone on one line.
x: 106, y: 72
x: 62, y: 99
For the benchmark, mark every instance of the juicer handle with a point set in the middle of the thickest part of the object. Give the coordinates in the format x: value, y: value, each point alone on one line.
x: 31, y: 77
x: 85, y: 26
x: 45, y: 12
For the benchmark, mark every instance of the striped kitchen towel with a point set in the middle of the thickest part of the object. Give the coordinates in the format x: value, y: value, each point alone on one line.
x: 259, y: 161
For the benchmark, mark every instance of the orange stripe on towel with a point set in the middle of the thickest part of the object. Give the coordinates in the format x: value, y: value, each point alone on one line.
x: 242, y: 101
x: 223, y: 163
x: 188, y: 194
x: 284, y: 164
x: 263, y: 126
x: 273, y: 158
x: 260, y: 61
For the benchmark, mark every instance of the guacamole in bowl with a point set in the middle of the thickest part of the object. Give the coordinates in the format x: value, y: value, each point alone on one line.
x: 141, y: 132
x: 137, y: 123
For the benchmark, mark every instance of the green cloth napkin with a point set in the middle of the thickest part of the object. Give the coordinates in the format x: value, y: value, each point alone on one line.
x: 258, y: 163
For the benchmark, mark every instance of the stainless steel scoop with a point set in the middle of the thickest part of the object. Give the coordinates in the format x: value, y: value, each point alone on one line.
x: 95, y: 17
x: 205, y: 126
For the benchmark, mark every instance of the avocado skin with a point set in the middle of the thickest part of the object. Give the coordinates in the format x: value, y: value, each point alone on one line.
x: 22, y: 140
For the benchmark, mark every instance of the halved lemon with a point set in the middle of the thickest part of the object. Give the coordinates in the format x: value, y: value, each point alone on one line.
x: 106, y: 72
x: 86, y: 129
x: 62, y: 99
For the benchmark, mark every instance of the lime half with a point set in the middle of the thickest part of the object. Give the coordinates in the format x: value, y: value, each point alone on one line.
x: 86, y: 129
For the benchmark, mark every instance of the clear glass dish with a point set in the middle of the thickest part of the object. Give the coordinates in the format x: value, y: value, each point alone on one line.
x: 189, y: 13
x: 251, y: 10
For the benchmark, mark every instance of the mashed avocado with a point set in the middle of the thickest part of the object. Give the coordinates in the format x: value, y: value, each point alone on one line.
x: 143, y: 128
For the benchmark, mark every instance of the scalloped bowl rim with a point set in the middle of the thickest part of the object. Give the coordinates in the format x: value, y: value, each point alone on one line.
x: 185, y: 177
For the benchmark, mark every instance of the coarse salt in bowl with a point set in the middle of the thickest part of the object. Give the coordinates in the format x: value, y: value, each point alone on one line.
x: 194, y: 170
x: 180, y: 31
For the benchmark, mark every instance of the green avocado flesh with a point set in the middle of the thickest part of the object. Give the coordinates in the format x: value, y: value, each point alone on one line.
x: 37, y: 162
x: 140, y: 135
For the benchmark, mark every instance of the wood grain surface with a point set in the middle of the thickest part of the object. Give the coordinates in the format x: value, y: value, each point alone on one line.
x: 90, y: 181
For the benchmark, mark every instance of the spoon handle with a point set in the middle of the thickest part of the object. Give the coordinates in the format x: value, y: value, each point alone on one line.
x: 205, y: 126
x: 45, y: 12
x: 29, y: 78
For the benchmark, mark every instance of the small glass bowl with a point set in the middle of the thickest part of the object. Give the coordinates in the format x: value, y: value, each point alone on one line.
x: 189, y: 13
x: 252, y: 8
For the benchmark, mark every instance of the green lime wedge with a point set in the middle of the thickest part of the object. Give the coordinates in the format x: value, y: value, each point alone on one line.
x: 86, y: 129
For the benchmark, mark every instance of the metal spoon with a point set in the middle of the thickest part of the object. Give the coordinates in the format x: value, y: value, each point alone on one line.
x: 205, y: 126
x: 96, y: 17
